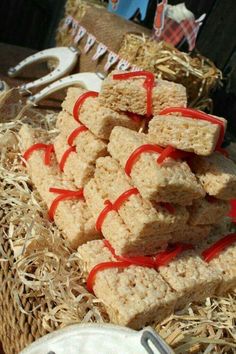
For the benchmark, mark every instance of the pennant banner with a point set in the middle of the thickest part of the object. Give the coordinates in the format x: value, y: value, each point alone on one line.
x: 101, y: 50
x: 68, y: 21
x: 75, y: 26
x: 123, y: 65
x: 81, y: 32
x: 111, y: 60
x: 89, y: 43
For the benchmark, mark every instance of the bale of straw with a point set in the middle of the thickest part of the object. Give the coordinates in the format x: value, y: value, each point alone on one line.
x: 198, y: 74
x: 134, y: 43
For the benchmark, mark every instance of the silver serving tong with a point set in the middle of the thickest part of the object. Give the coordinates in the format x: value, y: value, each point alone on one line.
x: 153, y: 343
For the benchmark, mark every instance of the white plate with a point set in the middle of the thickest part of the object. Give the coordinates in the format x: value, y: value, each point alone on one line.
x: 95, y: 339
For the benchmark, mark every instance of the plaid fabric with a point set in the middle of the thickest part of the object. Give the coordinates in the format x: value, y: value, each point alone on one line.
x: 190, y: 29
x: 174, y: 32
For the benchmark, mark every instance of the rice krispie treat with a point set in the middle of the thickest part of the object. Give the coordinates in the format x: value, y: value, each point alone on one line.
x: 184, y: 133
x: 134, y: 296
x: 98, y: 119
x: 71, y: 215
x: 171, y: 182
x: 130, y: 94
x: 191, y: 278
x: 141, y: 239
x: 208, y: 211
x: 191, y: 234
x: 141, y: 216
x: 217, y: 174
x: 223, y: 260
x: 77, y: 155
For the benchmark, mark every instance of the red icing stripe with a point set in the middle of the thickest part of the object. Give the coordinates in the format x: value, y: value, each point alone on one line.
x: 218, y: 247
x: 194, y: 114
x: 65, y: 157
x: 148, y: 84
x: 75, y: 133
x: 63, y: 195
x: 161, y: 259
x: 80, y: 101
x: 48, y: 148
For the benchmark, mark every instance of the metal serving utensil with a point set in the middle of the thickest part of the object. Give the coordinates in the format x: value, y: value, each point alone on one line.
x: 150, y: 340
x: 65, y: 56
x: 89, y: 81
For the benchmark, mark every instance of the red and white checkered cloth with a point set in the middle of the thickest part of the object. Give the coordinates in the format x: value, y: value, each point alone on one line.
x: 174, y: 32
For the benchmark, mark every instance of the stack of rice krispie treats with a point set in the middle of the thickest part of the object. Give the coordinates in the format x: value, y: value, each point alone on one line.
x: 140, y: 181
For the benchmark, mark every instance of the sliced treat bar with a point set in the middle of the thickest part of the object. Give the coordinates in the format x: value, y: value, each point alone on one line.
x: 131, y: 94
x: 133, y: 296
x: 217, y: 174
x: 98, y: 119
x: 146, y: 227
x: 193, y: 135
x: 191, y: 278
x: 223, y: 260
x: 140, y: 239
x: 141, y: 216
x: 72, y: 216
x: 208, y: 211
x: 79, y: 164
x: 191, y: 234
x: 172, y: 181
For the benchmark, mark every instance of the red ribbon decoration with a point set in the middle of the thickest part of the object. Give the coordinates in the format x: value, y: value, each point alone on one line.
x: 214, y: 250
x: 102, y: 266
x: 169, y: 151
x: 148, y: 85
x: 73, y: 135
x: 65, y: 157
x: 195, y: 114
x: 135, y: 155
x: 80, y: 101
x: 63, y: 194
x: 115, y: 206
x: 161, y: 259
x: 48, y: 148
x: 103, y: 214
